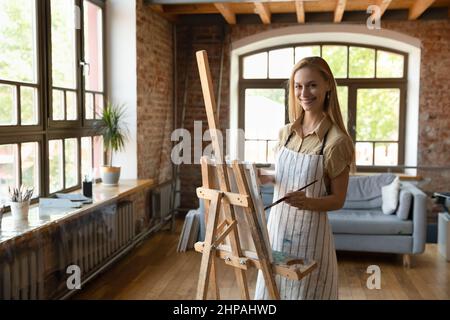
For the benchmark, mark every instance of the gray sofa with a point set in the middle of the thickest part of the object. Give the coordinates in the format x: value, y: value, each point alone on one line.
x: 361, y: 225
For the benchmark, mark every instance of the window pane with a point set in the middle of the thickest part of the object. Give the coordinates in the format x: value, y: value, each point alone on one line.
x: 364, y: 153
x: 336, y: 56
x: 86, y: 157
x: 255, y: 151
x: 8, y: 110
x: 362, y: 62
x: 58, y: 105
x: 18, y: 40
x: 377, y: 114
x: 306, y: 51
x: 93, y: 50
x: 8, y: 168
x: 386, y: 154
x: 63, y: 43
x: 28, y: 106
x: 30, y: 166
x: 89, y: 103
x: 56, y: 165
x: 71, y: 162
x: 255, y: 66
x: 342, y: 93
x: 98, y: 155
x: 98, y: 106
x: 264, y: 113
x: 281, y: 62
x: 389, y: 65
x: 71, y: 105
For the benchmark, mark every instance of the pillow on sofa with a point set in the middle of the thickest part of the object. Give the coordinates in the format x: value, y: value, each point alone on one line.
x: 361, y: 188
x: 389, y: 194
x: 404, y: 204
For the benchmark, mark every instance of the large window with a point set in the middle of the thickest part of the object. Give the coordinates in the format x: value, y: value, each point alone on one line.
x: 371, y: 84
x: 51, y: 92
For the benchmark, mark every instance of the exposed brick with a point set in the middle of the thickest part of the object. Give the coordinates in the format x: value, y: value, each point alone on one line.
x: 154, y: 93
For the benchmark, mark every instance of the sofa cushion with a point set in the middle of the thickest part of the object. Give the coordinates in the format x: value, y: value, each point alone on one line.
x: 367, y: 187
x: 368, y: 222
x: 389, y: 194
x: 363, y: 204
x: 404, y: 205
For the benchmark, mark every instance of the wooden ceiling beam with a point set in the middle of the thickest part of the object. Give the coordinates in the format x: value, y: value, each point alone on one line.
x: 263, y: 11
x: 418, y: 8
x: 300, y: 10
x: 339, y: 10
x: 227, y: 13
x: 159, y: 9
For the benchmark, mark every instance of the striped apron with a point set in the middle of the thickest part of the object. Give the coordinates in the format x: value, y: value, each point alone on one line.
x: 301, y: 233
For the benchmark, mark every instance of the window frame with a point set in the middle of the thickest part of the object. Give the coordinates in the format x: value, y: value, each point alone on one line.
x: 48, y: 129
x: 259, y: 85
x: 352, y: 83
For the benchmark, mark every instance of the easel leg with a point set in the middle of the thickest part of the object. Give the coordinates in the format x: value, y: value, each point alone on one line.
x: 214, y: 279
x: 208, y: 251
x: 258, y: 239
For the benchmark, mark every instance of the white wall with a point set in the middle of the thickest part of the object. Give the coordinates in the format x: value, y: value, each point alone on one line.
x: 121, y: 80
x: 359, y: 34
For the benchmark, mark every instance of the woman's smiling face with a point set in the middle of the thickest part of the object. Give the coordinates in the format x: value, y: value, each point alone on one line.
x: 310, y: 89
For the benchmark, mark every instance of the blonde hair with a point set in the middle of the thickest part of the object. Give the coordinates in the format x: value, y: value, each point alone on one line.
x: 331, y: 103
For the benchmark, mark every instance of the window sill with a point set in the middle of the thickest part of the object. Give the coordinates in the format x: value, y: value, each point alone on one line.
x: 40, y: 219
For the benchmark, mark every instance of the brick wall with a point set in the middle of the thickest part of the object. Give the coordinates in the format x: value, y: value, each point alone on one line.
x: 434, y: 103
x: 213, y: 39
x: 154, y: 93
x: 434, y: 127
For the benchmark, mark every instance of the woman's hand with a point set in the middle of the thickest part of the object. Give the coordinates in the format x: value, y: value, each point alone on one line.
x: 299, y: 200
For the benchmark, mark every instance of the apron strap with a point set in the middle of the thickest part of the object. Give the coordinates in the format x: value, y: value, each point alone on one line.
x: 323, y: 143
x: 289, y: 138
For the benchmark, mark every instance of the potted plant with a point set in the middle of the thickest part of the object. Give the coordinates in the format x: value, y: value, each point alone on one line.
x: 114, y: 132
x: 19, y: 201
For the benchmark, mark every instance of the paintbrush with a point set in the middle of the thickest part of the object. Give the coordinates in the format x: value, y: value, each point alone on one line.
x: 284, y: 198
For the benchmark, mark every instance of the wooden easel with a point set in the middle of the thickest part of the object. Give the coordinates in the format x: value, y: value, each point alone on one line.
x: 219, y: 197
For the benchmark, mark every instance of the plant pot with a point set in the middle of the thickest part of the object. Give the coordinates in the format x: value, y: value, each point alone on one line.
x: 19, y: 210
x: 110, y: 175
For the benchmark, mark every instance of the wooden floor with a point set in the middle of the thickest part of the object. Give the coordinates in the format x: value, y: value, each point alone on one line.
x: 154, y: 270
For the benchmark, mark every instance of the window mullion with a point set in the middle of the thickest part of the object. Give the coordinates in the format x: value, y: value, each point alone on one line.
x: 18, y: 112
x: 351, y: 122
x: 79, y: 164
x: 19, y: 164
x: 80, y: 67
x: 63, y: 163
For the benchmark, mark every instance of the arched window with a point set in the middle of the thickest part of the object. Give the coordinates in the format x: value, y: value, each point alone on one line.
x: 371, y: 88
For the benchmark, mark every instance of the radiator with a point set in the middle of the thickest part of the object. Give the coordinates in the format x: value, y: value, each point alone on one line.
x: 162, y: 201
x: 22, y: 271
x: 88, y: 242
x: 98, y: 237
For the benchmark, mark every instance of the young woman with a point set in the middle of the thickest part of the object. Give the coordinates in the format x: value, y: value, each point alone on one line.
x: 313, y: 146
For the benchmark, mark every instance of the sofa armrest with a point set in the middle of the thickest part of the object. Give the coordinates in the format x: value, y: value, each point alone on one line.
x: 419, y: 217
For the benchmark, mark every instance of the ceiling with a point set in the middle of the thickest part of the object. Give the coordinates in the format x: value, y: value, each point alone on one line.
x: 265, y: 10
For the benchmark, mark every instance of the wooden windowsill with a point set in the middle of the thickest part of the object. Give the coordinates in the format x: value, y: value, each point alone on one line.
x: 402, y: 176
x: 43, y: 218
